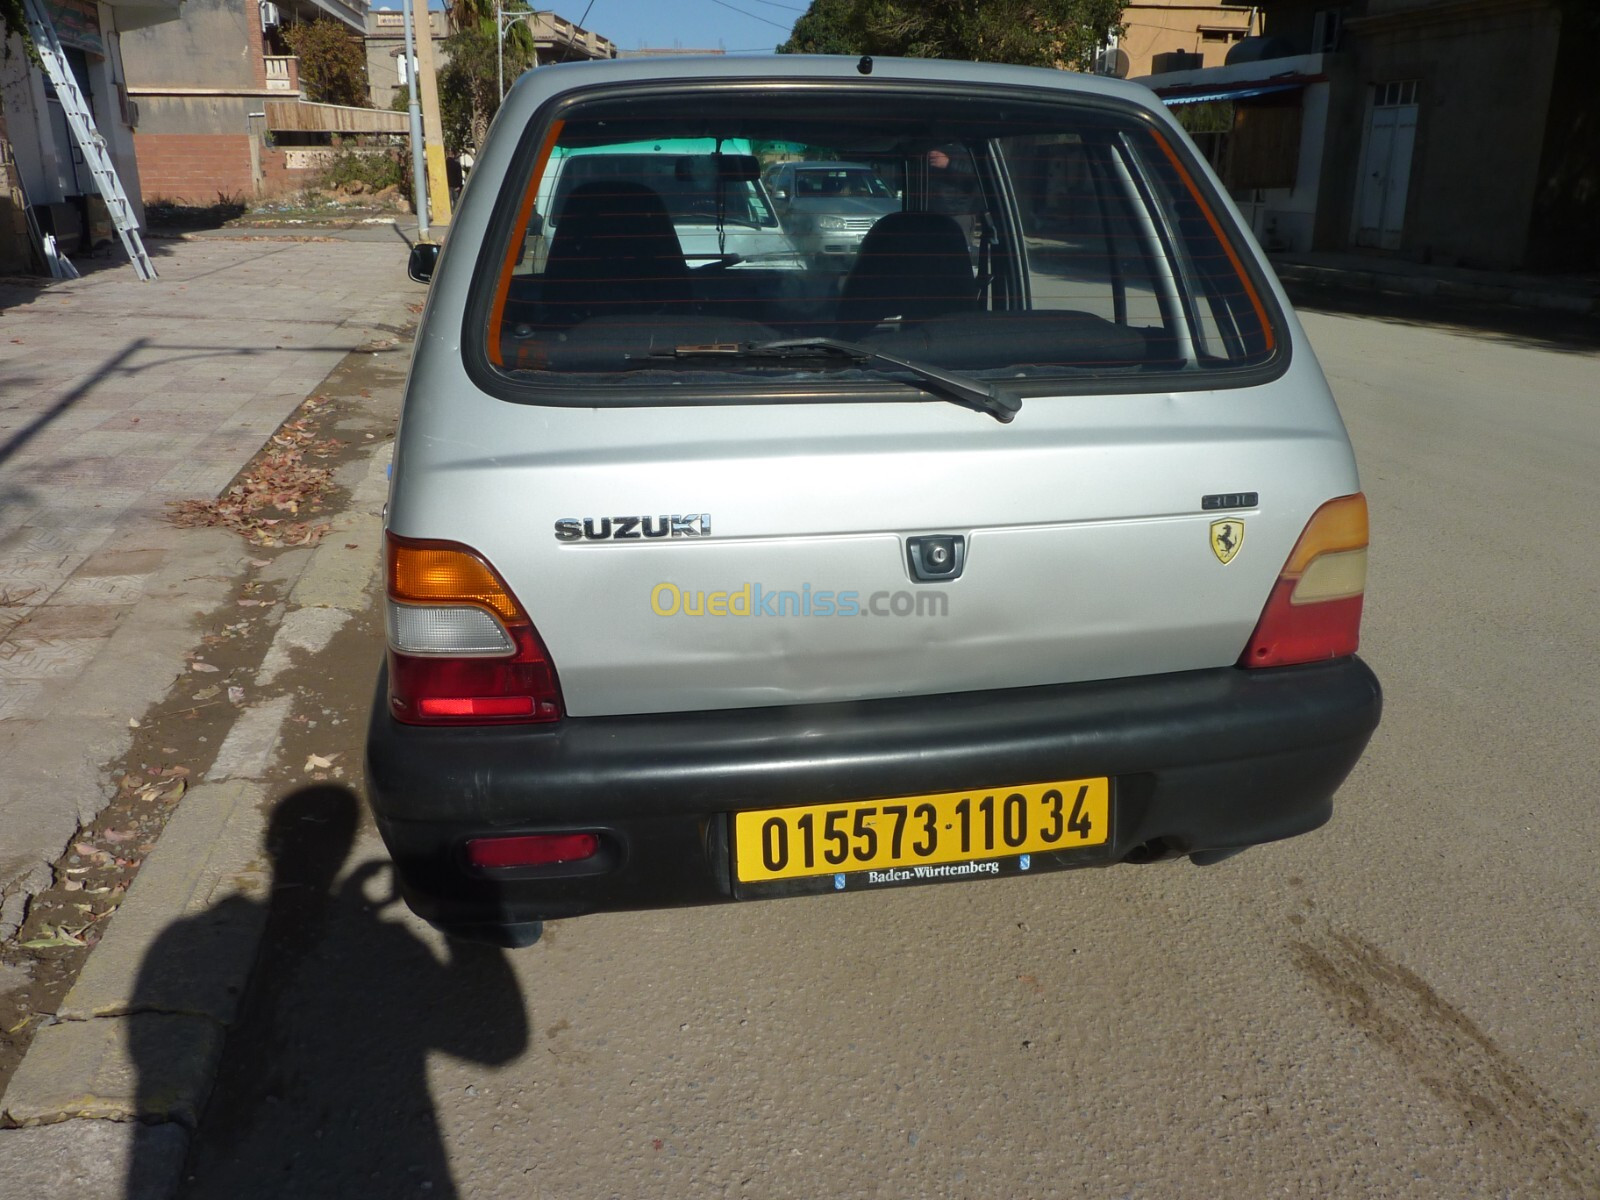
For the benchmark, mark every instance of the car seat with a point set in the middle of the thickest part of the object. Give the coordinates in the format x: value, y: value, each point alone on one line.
x: 614, y: 251
x: 911, y: 265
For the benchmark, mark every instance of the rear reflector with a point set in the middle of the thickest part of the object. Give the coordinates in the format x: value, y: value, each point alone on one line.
x: 532, y: 849
x: 1314, y: 611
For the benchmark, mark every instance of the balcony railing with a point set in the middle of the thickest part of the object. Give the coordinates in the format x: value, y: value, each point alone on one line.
x: 283, y: 72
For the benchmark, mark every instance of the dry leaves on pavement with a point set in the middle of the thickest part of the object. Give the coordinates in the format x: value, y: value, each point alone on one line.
x: 276, y: 487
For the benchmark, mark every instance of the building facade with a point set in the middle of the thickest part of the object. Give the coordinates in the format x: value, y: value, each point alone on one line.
x: 222, y: 116
x: 41, y: 168
x: 386, y: 51
x: 1162, y: 35
x: 1456, y: 132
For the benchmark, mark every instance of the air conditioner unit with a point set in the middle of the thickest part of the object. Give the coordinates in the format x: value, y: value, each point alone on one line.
x: 270, y: 18
x: 1325, y: 26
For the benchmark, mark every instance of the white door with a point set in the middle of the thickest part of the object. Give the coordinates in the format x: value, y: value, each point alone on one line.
x: 1386, y: 174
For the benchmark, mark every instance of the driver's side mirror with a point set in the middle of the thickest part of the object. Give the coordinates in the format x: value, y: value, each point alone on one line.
x: 779, y: 194
x: 424, y: 258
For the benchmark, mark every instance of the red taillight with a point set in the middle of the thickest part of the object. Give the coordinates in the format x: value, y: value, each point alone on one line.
x: 532, y: 849
x: 1314, y: 611
x: 461, y: 648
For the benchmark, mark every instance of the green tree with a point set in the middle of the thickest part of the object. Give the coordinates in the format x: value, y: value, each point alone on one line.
x: 333, y: 64
x: 1036, y: 33
x: 827, y: 27
x: 469, y: 89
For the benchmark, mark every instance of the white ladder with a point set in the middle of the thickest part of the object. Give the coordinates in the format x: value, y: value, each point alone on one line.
x: 81, y: 121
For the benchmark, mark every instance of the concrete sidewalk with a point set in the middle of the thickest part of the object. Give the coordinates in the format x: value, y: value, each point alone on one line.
x: 1577, y: 294
x: 119, y: 396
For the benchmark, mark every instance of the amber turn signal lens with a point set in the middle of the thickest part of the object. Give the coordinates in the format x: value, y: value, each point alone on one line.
x: 1338, y: 525
x: 441, y: 573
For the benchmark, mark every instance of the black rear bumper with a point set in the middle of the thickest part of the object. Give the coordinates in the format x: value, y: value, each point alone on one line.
x: 1199, y: 761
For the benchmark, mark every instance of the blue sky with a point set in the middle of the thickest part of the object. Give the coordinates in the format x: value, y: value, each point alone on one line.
x: 752, y: 25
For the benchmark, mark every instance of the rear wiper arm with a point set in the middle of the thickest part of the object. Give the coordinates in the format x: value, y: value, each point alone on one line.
x: 999, y: 403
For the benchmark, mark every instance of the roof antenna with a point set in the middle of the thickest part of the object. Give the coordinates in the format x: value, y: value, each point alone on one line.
x: 865, y: 65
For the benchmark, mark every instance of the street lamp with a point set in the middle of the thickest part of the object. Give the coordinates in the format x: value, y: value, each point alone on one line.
x: 503, y: 21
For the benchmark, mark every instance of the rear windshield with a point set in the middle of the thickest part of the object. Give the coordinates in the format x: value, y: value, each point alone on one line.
x: 697, y: 237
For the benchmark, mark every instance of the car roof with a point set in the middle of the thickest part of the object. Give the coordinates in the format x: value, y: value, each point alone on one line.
x: 537, y: 85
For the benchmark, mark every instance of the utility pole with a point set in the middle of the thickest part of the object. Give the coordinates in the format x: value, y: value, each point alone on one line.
x: 432, y: 128
x: 419, y: 184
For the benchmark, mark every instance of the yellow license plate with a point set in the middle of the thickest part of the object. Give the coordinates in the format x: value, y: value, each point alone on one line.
x: 914, y: 833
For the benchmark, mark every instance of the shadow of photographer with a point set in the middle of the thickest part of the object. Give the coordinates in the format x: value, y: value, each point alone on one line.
x: 323, y: 1086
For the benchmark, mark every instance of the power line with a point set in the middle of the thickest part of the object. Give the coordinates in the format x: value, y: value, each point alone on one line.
x: 755, y: 16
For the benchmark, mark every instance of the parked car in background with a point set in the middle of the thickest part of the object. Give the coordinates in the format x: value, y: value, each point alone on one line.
x: 714, y: 196
x: 828, y: 207
x: 1032, y: 541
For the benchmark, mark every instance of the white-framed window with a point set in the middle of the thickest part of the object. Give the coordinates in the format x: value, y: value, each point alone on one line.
x: 1394, y: 94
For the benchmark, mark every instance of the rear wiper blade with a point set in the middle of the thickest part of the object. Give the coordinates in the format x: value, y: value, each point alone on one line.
x: 999, y: 403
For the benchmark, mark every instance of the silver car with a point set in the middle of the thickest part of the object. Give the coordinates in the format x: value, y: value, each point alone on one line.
x: 828, y: 208
x: 1032, y: 541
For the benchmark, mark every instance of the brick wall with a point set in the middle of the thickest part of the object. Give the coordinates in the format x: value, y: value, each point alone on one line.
x: 278, y: 179
x: 193, y: 167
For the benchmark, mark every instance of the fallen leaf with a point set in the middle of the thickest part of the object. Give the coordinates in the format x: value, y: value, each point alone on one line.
x: 315, y: 762
x: 59, y: 938
x: 204, y: 668
x: 207, y: 693
x: 116, y: 836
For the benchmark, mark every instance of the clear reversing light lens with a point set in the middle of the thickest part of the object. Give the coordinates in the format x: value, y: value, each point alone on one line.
x: 446, y: 630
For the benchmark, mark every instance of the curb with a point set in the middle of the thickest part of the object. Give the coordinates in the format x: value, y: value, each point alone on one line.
x: 80, y: 1104
x: 1437, y: 287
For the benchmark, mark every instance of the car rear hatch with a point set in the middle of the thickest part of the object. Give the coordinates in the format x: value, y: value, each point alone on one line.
x: 690, y: 525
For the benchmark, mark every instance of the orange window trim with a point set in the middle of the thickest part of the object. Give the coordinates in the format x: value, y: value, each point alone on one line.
x: 514, y: 250
x: 1216, y: 229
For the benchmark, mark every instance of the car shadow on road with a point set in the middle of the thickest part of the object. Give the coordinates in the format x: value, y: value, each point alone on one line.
x: 323, y: 1086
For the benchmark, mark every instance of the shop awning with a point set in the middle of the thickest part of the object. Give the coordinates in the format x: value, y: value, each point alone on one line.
x: 1241, y: 90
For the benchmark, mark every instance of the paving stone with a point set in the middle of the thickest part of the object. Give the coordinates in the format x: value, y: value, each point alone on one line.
x: 120, y: 397
x: 92, y: 1160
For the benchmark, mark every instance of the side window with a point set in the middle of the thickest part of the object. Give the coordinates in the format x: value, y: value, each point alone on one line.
x: 1085, y: 238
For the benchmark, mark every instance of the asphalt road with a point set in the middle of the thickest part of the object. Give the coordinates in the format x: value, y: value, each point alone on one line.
x: 1406, y: 1003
